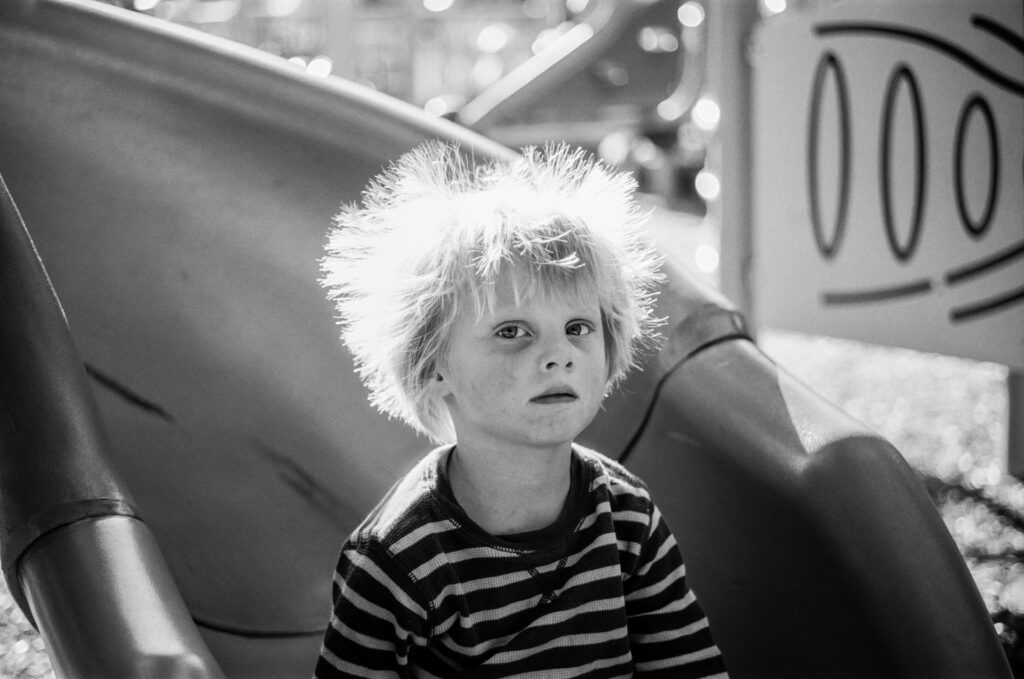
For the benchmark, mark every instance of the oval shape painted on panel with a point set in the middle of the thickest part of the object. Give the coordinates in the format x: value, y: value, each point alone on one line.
x: 828, y: 155
x: 976, y: 166
x: 903, y: 163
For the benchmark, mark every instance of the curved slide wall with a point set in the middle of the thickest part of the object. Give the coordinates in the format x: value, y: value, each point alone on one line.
x: 178, y: 188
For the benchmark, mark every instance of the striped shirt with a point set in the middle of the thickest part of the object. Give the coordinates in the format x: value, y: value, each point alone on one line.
x: 422, y: 591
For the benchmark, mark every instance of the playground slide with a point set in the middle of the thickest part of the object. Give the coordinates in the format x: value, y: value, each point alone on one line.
x: 181, y: 459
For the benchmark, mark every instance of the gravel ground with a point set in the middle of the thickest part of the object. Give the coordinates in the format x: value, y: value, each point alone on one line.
x: 947, y: 416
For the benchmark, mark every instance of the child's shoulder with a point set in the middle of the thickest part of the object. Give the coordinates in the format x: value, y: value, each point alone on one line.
x: 407, y: 507
x: 614, y: 474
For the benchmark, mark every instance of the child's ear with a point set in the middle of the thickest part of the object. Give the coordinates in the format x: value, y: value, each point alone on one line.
x: 440, y: 385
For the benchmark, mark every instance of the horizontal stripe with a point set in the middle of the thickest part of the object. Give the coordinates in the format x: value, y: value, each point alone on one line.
x: 425, y: 569
x: 361, y: 639
x: 582, y: 671
x: 658, y: 587
x: 552, y: 622
x: 568, y: 640
x: 461, y: 589
x: 430, y: 529
x: 563, y: 617
x: 671, y: 606
x: 371, y: 569
x: 666, y: 547
x: 620, y: 490
x: 629, y: 515
x: 670, y: 635
x: 351, y: 668
x: 678, y: 661
x: 498, y: 582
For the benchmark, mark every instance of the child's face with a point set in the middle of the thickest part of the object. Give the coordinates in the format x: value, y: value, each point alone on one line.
x: 531, y: 375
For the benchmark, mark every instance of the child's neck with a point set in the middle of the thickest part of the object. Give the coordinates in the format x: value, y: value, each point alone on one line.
x: 507, y: 494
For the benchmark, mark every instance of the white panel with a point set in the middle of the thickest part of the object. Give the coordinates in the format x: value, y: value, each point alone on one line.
x: 888, y: 175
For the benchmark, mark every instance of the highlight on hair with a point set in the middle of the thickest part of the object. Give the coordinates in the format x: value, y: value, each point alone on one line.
x: 436, y: 232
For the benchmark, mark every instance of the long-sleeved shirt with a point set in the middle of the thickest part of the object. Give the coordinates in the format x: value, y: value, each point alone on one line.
x: 422, y: 591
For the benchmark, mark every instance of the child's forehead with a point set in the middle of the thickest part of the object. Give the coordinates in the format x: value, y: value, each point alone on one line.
x: 518, y: 287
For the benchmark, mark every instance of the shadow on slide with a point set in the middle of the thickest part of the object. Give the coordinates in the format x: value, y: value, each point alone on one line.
x: 184, y: 448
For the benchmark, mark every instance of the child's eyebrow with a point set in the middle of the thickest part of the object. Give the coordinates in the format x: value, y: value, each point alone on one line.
x: 499, y: 321
x: 586, y: 311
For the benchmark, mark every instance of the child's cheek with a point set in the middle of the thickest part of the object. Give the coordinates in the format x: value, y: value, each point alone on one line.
x: 493, y: 379
x: 506, y: 372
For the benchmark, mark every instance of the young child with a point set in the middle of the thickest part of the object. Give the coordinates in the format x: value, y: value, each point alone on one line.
x: 492, y: 308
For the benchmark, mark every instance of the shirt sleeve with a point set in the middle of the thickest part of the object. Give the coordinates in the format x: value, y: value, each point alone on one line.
x: 376, y: 619
x: 668, y: 631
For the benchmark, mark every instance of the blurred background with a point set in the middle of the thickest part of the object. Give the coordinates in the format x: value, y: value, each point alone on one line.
x: 631, y: 98
x: 515, y: 71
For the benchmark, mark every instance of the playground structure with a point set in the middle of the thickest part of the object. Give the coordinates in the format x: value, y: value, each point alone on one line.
x: 876, y: 143
x: 184, y: 445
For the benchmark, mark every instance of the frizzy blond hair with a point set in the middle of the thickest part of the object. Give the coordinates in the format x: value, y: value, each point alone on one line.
x: 436, y: 228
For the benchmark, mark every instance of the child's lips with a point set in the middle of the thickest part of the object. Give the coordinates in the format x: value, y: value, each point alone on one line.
x: 556, y: 395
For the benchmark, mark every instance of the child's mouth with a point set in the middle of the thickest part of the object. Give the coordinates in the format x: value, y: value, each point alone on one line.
x: 555, y: 396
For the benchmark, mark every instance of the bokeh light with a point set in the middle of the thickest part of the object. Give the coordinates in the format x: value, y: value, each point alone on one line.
x: 614, y: 148
x: 437, y: 5
x: 670, y: 109
x: 576, y: 6
x: 436, y: 106
x: 706, y: 114
x: 657, y: 39
x: 282, y: 8
x: 647, y: 154
x: 707, y: 185
x: 691, y: 14
x: 320, y: 66
x: 493, y: 38
x: 706, y: 258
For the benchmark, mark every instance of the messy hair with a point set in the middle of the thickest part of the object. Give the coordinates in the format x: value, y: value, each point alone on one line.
x: 437, y: 231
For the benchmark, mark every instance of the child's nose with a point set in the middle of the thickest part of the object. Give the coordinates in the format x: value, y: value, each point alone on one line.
x: 557, y: 354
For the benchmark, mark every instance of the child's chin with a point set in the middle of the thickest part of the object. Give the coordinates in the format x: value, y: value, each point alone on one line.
x: 560, y: 434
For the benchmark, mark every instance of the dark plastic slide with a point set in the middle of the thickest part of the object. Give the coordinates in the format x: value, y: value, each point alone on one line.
x: 182, y: 453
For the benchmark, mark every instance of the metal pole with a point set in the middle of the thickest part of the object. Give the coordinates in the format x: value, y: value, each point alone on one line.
x: 730, y: 158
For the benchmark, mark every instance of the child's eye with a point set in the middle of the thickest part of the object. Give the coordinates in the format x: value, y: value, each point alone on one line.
x: 579, y: 328
x: 511, y: 332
